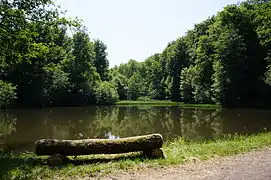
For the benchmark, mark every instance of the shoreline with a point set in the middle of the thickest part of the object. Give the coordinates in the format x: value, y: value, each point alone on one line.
x: 177, y: 152
x: 166, y: 103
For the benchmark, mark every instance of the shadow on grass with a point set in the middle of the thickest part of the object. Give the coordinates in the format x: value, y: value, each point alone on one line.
x: 28, y: 165
x: 95, y: 160
x: 17, y: 167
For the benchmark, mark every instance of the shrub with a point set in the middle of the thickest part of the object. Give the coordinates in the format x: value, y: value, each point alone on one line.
x: 7, y: 94
x: 106, y: 94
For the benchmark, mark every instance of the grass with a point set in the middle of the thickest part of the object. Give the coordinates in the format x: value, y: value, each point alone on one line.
x: 29, y: 166
x: 165, y: 103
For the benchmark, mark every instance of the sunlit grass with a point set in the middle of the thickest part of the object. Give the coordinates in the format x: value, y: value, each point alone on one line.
x: 165, y: 103
x: 29, y: 166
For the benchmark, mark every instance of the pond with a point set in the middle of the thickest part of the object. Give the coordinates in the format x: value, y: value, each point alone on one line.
x: 20, y: 128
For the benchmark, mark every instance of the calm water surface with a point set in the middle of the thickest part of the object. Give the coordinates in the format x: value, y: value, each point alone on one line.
x: 19, y: 129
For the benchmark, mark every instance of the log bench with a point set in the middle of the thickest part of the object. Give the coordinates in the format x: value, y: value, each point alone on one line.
x: 148, y: 144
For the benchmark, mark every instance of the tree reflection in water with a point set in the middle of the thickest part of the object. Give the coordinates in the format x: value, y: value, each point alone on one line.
x: 25, y: 127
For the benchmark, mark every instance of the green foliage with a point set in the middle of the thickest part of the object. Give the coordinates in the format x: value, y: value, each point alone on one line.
x: 7, y: 94
x: 106, y: 94
x: 30, y: 41
x: 136, y: 85
x: 101, y: 62
x: 54, y: 67
x: 224, y: 60
x: 121, y: 83
x: 83, y: 76
x: 186, y: 88
x: 57, y: 83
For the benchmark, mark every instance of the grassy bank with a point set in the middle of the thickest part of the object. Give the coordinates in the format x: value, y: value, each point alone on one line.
x: 165, y: 103
x: 29, y: 166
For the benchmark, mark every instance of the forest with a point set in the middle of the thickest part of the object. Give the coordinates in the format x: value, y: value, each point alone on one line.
x: 47, y: 59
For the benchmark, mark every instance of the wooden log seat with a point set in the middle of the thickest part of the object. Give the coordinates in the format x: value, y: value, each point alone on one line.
x: 149, y: 144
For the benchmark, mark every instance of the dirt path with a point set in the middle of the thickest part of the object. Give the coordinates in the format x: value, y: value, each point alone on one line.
x: 250, y: 166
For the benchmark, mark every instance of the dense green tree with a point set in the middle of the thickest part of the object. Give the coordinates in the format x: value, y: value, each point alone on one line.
x: 7, y: 94
x: 138, y: 78
x: 83, y: 76
x: 30, y: 33
x: 101, y: 62
x: 136, y: 83
x: 203, y: 71
x: 152, y: 76
x: 57, y: 85
x: 225, y: 59
x: 259, y: 11
x: 128, y: 69
x: 238, y: 50
x: 54, y: 68
x: 106, y: 94
x: 177, y: 60
x: 121, y: 83
x: 186, y: 82
x: 164, y: 77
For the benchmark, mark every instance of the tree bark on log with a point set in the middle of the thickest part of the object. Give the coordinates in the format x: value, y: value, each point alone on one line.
x: 98, y: 146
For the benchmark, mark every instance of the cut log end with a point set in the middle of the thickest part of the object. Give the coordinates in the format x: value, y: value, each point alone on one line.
x: 155, y: 154
x: 57, y: 159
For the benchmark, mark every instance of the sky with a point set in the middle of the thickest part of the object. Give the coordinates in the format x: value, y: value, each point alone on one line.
x: 137, y: 29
